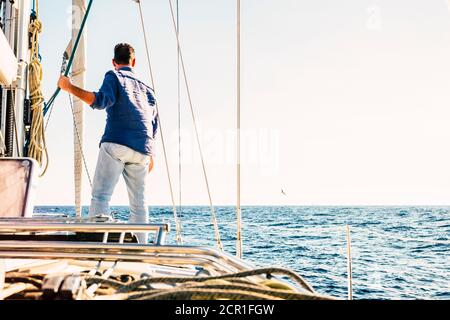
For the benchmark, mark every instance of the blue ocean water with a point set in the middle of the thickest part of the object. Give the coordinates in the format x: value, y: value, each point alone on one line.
x: 398, y: 253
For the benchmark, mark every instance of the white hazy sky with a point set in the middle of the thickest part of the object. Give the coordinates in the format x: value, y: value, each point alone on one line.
x: 344, y: 102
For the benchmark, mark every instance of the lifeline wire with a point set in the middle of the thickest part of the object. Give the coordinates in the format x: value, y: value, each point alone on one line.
x: 213, y: 213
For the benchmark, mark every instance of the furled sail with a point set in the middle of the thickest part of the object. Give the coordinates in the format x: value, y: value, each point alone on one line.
x: 79, y: 79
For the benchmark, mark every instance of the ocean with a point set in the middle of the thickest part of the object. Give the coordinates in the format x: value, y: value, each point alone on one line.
x: 397, y: 252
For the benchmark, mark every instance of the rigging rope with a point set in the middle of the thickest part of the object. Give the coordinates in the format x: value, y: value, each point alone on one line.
x: 183, y: 68
x: 39, y: 108
x: 38, y: 145
x: 238, y: 207
x: 49, y: 104
x: 180, y: 169
x: 177, y: 221
x: 79, y: 142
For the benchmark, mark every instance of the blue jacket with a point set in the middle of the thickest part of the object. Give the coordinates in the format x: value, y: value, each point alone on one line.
x: 131, y: 107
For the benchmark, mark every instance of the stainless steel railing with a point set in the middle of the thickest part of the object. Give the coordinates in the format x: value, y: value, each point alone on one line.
x: 159, y: 255
x: 20, y: 226
x: 154, y: 254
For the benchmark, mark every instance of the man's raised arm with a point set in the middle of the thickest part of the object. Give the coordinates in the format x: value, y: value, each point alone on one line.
x: 65, y: 84
x: 104, y: 98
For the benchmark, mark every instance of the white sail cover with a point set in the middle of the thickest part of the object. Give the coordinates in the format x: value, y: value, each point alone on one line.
x: 8, y: 62
x: 79, y: 79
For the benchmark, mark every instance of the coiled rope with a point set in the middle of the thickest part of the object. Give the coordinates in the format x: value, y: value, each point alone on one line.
x: 29, y: 287
x: 38, y: 145
x: 237, y: 286
x: 266, y: 271
x: 228, y: 293
x: 233, y: 287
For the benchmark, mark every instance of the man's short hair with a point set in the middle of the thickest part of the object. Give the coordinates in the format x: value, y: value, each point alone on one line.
x: 123, y: 53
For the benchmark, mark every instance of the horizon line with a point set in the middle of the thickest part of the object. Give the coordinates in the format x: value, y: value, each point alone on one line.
x: 265, y: 205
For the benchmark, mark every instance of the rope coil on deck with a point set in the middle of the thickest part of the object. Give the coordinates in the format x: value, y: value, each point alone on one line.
x: 268, y: 271
x: 236, y: 286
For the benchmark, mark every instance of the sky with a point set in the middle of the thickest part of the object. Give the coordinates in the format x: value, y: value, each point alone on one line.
x: 343, y: 102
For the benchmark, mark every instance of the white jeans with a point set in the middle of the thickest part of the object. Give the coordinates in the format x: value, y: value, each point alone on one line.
x: 115, y: 160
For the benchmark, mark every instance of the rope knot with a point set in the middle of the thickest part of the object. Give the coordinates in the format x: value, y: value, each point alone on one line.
x: 36, y: 26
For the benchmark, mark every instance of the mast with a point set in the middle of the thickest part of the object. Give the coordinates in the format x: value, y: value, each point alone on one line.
x: 79, y: 79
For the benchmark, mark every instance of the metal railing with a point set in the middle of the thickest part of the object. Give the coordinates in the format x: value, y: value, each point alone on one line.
x: 158, y: 255
x: 12, y: 226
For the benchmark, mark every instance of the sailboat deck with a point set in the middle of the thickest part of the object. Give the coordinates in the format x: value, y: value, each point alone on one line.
x: 29, y: 257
